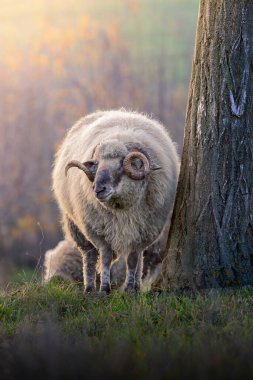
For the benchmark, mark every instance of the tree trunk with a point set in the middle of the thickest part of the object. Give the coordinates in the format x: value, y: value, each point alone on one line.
x: 211, y: 238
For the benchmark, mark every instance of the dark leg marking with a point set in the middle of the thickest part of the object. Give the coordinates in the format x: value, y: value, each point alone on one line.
x: 90, y: 256
x: 138, y: 273
x: 106, y: 260
x: 132, y: 262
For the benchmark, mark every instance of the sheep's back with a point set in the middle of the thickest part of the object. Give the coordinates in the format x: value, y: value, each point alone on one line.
x: 74, y: 192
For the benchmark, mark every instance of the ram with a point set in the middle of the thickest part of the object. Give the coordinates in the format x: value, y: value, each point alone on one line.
x: 120, y: 198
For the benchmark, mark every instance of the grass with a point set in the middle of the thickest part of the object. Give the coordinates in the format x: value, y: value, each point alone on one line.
x: 21, y: 275
x: 145, y: 335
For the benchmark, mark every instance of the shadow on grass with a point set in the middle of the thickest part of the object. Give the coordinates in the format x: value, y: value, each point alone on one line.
x: 55, y: 332
x: 42, y: 352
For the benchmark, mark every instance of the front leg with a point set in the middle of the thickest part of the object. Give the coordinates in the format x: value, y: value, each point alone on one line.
x: 90, y: 257
x: 132, y: 275
x: 89, y: 253
x: 138, y: 273
x: 106, y: 260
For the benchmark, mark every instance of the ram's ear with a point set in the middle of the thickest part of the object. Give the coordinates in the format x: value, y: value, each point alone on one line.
x: 91, y: 167
x: 88, y: 167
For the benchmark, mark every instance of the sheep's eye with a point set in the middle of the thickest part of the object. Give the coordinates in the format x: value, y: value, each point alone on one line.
x: 137, y: 164
x: 91, y: 166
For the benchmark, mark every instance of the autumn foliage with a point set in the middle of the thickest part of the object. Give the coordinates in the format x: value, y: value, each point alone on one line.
x: 58, y: 77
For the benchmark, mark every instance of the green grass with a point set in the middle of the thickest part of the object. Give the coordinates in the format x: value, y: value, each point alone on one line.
x: 21, y: 275
x: 142, y: 316
x: 152, y: 330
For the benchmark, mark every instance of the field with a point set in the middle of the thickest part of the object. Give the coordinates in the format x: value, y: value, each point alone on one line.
x: 56, y: 332
x: 61, y: 60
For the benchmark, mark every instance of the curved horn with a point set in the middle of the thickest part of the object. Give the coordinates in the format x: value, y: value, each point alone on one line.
x: 137, y: 147
x: 79, y: 165
x: 132, y: 172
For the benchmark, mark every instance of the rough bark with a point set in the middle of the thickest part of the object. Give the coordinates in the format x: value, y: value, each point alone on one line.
x: 211, y: 237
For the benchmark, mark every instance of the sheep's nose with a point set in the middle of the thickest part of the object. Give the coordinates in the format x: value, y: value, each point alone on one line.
x: 102, y: 185
x: 103, y: 193
x: 99, y: 188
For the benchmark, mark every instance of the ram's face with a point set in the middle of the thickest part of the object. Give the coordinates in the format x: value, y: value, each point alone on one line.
x: 118, y: 172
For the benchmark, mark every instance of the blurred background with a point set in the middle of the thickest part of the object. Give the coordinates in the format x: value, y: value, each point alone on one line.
x: 63, y: 59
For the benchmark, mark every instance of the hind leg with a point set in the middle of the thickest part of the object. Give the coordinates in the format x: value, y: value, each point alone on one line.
x: 138, y: 273
x: 133, y: 273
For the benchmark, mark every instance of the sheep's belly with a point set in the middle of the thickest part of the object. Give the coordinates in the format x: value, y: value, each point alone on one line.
x: 125, y: 235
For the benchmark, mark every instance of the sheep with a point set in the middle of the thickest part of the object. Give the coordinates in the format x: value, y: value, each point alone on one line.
x: 153, y: 257
x: 119, y: 200
x: 63, y: 261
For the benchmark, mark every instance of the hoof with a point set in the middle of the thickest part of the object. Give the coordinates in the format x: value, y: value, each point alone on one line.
x: 89, y: 289
x: 105, y: 288
x: 129, y: 289
x: 132, y: 288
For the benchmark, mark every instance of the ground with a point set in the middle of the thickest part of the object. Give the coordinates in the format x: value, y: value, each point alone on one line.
x: 55, y: 331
